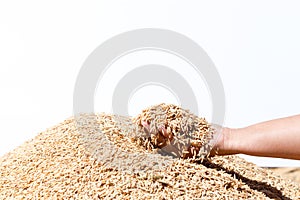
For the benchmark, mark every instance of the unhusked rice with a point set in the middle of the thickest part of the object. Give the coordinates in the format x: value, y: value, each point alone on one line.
x: 61, y: 163
x: 187, y: 130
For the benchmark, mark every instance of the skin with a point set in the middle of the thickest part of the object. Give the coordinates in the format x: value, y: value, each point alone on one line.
x: 279, y: 138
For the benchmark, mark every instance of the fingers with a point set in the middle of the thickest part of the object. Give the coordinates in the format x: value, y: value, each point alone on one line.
x: 146, y: 125
x: 161, y: 137
x: 162, y: 130
x: 164, y: 139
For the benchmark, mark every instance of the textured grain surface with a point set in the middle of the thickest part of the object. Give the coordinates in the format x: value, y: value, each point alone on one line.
x: 57, y: 164
x: 292, y: 173
x: 188, y: 132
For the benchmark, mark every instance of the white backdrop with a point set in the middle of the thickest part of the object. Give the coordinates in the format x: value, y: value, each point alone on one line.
x: 255, y: 45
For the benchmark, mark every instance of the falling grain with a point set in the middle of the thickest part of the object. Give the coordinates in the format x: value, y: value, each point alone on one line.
x: 59, y: 163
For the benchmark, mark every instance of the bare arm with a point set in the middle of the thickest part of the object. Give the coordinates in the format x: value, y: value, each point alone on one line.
x: 276, y: 138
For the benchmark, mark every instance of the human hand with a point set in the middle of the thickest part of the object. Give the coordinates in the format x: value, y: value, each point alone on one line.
x: 164, y: 140
x: 162, y: 136
x: 179, y: 132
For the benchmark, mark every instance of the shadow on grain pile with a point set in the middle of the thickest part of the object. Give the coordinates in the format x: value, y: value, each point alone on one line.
x: 267, y: 189
x: 75, y: 160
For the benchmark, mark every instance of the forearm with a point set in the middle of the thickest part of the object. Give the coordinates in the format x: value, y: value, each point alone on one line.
x: 275, y: 138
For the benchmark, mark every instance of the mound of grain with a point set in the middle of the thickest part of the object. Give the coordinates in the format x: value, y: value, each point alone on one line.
x: 60, y: 163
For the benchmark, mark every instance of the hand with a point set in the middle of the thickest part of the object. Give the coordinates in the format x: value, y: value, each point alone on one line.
x: 277, y: 138
x: 164, y: 141
x: 162, y: 137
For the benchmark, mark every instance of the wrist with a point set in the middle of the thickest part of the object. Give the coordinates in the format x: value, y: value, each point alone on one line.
x: 226, y: 142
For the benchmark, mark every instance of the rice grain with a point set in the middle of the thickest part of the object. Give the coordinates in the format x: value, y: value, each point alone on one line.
x: 59, y: 164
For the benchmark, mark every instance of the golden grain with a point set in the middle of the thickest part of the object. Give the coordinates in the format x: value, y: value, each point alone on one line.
x: 57, y: 164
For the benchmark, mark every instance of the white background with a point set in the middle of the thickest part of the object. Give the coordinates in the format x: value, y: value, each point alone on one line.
x: 255, y: 45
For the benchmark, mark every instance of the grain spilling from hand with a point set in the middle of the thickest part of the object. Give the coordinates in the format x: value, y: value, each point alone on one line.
x: 186, y: 129
x: 56, y: 164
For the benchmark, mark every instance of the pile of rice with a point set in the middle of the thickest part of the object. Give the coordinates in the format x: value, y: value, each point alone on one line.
x: 99, y: 156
